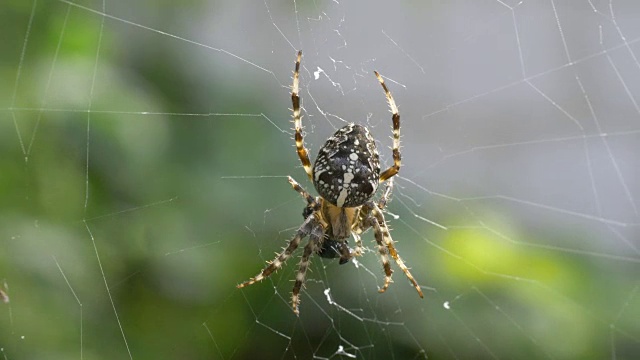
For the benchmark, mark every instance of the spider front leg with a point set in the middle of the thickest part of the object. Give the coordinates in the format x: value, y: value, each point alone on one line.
x: 395, y: 118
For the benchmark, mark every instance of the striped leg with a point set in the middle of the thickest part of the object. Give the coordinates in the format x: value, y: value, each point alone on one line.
x: 386, y: 196
x: 310, y: 200
x: 395, y: 117
x: 383, y: 235
x: 315, y: 240
x: 276, y: 264
x: 297, y: 119
x: 383, y: 252
x: 382, y: 203
x: 359, y: 248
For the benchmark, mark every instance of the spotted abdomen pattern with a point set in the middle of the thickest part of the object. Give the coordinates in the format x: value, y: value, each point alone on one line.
x: 347, y: 170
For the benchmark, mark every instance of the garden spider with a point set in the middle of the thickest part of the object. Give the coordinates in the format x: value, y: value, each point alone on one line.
x: 346, y: 174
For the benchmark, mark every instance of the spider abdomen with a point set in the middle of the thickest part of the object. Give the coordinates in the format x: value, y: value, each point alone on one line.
x: 346, y: 172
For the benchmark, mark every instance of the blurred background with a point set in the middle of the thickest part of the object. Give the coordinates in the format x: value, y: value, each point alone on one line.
x: 144, y: 149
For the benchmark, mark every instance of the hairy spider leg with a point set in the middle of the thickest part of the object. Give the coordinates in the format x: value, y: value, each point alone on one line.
x: 359, y: 250
x: 303, y: 154
x: 382, y: 203
x: 315, y: 241
x: 395, y: 118
x: 384, y: 237
x: 371, y: 221
x: 386, y: 196
x: 315, y: 205
x: 280, y: 259
x: 310, y: 200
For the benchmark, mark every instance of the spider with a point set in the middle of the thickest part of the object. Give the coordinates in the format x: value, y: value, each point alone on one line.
x: 346, y: 174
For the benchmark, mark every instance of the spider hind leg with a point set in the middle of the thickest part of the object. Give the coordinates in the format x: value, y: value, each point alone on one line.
x: 282, y: 257
x: 385, y: 245
x: 315, y: 241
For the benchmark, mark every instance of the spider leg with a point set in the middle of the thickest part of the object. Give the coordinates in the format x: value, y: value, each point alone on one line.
x: 383, y: 252
x: 315, y: 240
x: 395, y: 118
x: 382, y: 203
x: 345, y: 255
x: 303, y: 154
x: 359, y: 248
x: 276, y: 264
x: 384, y: 237
x: 310, y: 200
x: 386, y: 196
x: 385, y: 244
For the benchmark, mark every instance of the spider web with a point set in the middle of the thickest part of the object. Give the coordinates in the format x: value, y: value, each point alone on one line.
x: 145, y: 149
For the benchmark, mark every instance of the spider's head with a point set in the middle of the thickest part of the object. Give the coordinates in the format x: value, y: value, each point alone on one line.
x: 347, y: 170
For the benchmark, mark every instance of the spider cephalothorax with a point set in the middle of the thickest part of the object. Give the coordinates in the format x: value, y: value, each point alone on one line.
x: 346, y: 174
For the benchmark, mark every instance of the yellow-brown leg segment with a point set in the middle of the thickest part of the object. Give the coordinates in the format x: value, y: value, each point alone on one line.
x: 395, y: 118
x: 315, y: 239
x: 382, y: 231
x: 303, y: 154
